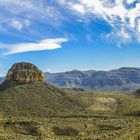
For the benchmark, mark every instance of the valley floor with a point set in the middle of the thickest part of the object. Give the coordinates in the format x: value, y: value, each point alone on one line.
x: 107, y: 116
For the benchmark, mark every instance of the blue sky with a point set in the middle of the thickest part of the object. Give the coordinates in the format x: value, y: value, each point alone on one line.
x: 63, y: 35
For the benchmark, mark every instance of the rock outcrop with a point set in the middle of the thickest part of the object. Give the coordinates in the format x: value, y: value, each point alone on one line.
x: 24, y: 73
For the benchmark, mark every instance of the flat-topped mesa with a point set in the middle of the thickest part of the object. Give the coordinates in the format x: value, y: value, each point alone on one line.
x: 24, y: 73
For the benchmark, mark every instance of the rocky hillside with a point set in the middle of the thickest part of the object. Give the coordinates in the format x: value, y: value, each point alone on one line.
x: 22, y: 73
x: 36, y: 100
x: 24, y: 92
x: 123, y: 79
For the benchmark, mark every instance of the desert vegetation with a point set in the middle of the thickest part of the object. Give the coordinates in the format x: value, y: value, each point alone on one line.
x: 40, y: 111
x: 83, y: 115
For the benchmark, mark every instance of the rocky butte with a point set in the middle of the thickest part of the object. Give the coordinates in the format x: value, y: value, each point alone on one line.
x: 23, y: 73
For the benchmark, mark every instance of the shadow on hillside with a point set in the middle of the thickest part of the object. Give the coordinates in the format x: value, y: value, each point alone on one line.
x: 65, y: 131
x: 108, y: 127
x: 135, y: 114
x: 26, y: 128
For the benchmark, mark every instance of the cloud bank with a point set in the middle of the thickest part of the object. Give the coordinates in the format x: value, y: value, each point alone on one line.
x: 20, y: 14
x: 46, y: 44
x: 122, y: 15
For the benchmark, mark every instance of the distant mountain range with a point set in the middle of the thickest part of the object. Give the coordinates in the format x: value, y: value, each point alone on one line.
x: 123, y: 79
x: 1, y: 79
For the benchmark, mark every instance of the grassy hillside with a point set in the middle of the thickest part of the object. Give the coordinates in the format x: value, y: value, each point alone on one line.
x: 36, y: 100
x: 43, y: 112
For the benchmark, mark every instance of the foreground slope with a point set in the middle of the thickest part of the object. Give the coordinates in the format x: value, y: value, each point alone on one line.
x: 38, y: 99
x: 43, y: 112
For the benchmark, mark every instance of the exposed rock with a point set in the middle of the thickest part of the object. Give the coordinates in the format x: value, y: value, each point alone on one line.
x: 24, y: 73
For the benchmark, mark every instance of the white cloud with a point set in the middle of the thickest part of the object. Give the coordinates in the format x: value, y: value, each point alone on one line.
x: 46, y: 44
x: 16, y: 24
x: 19, y: 24
x: 20, y: 14
x: 122, y: 15
x: 122, y: 37
x: 138, y: 26
x: 79, y: 8
x: 123, y: 34
x: 130, y: 1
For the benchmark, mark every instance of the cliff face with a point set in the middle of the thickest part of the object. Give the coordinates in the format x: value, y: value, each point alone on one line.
x: 24, y: 73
